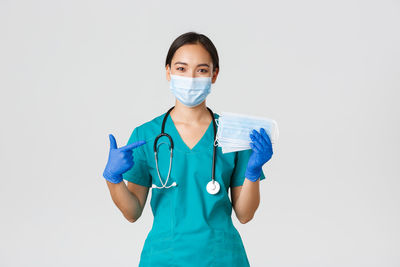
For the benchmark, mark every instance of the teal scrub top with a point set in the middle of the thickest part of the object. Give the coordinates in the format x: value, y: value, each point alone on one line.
x: 191, y: 227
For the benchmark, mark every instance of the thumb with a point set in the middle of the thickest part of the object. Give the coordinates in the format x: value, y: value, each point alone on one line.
x: 113, y: 143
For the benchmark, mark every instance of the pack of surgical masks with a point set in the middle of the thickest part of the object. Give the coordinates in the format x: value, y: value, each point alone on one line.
x: 234, y: 130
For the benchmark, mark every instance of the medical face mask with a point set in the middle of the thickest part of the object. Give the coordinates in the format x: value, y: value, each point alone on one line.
x: 190, y: 91
x: 234, y: 130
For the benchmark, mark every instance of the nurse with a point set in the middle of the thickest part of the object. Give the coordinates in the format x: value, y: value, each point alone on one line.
x: 191, y: 227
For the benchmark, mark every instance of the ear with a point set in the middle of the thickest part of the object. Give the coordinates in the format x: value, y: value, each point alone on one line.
x: 167, y: 73
x: 215, y: 74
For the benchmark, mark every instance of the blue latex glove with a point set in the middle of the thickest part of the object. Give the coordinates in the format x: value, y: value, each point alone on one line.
x: 262, y: 152
x: 120, y: 160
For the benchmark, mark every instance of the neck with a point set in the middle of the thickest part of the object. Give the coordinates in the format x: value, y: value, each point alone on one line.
x: 190, y: 115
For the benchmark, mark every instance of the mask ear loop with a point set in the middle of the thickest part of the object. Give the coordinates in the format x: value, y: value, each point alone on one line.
x: 216, y: 143
x: 219, y: 131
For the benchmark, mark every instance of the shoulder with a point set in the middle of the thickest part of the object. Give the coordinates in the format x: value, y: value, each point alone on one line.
x: 215, y: 114
x: 153, y: 126
x: 148, y: 128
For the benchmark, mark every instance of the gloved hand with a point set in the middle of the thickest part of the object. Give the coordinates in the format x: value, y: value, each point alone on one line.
x: 120, y: 160
x: 262, y: 152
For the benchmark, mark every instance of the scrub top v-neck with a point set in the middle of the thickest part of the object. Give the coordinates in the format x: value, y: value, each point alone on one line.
x: 190, y: 226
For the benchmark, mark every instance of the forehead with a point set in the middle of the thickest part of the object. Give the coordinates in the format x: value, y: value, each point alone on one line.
x: 192, y: 54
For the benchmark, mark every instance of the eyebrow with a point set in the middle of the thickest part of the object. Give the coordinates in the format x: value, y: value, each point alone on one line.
x: 183, y: 63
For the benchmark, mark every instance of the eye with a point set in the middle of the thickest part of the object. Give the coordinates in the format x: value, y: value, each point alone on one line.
x: 205, y: 70
x: 180, y: 68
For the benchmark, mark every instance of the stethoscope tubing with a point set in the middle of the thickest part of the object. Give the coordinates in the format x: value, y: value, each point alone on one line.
x: 171, y: 147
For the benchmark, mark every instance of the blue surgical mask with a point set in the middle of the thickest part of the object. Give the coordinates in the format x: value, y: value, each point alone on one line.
x: 190, y: 91
x: 234, y: 130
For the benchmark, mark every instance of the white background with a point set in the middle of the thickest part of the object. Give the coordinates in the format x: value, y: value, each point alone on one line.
x: 328, y: 72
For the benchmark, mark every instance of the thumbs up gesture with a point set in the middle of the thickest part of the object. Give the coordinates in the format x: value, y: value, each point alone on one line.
x: 120, y: 160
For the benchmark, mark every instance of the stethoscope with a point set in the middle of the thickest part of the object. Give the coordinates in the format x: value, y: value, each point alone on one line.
x: 212, y: 186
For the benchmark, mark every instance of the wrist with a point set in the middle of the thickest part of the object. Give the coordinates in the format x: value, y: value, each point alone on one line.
x: 253, y: 174
x: 112, y: 178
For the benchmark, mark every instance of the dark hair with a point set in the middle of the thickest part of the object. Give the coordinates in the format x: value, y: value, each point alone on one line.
x: 193, y: 38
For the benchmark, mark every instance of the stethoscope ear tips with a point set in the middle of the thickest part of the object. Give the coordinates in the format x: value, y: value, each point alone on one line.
x: 155, y: 186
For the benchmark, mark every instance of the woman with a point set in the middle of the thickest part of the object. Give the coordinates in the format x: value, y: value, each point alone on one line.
x: 192, y: 225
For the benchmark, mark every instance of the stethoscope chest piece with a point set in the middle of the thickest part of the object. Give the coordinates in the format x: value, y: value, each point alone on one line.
x: 213, y: 187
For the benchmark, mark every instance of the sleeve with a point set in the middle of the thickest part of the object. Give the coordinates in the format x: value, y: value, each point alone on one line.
x: 241, y: 160
x: 139, y: 173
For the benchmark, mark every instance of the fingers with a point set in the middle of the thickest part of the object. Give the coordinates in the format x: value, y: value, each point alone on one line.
x: 265, y: 136
x: 133, y: 145
x: 113, y: 143
x: 264, y: 141
x: 254, y: 148
x: 256, y: 142
x: 262, y: 138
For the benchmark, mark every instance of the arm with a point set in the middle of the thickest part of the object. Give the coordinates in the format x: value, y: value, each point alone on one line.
x: 245, y: 200
x: 130, y: 199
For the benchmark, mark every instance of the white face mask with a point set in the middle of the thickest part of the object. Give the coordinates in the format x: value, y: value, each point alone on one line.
x: 190, y: 91
x: 234, y: 130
